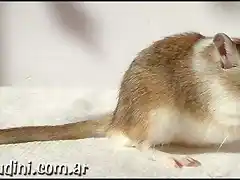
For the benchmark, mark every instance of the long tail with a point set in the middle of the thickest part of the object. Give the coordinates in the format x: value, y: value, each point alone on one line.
x: 71, y: 131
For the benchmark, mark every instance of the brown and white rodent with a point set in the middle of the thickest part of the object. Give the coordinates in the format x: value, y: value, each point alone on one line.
x: 182, y: 89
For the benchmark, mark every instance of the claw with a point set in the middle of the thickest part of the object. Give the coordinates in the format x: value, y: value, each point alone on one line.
x: 177, y: 164
x: 186, y: 162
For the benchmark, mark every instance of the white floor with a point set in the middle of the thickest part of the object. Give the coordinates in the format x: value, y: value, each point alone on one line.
x: 21, y: 107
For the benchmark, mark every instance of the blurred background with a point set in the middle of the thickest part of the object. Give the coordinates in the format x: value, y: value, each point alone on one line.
x: 91, y: 44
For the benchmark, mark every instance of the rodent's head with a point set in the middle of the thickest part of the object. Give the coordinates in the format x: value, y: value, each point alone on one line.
x: 226, y: 85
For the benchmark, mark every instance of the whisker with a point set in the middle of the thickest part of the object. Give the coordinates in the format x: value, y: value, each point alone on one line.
x: 153, y: 158
x: 222, y: 143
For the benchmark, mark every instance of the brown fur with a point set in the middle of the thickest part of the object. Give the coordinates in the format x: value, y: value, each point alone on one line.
x: 160, y: 75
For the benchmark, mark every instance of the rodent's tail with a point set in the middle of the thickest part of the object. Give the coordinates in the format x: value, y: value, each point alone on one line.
x: 71, y: 131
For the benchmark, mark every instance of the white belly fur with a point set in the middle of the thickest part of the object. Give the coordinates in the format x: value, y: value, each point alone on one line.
x: 167, y: 126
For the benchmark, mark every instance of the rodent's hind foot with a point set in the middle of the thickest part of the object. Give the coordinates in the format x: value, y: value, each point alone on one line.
x: 176, y: 161
x: 185, y: 162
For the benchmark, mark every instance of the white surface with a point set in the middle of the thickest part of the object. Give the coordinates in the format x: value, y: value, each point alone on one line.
x: 32, y: 106
x: 38, y: 52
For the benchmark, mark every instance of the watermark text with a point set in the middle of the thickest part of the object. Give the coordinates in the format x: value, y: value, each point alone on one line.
x: 14, y: 168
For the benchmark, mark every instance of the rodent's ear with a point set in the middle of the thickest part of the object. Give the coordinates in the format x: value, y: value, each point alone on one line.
x: 227, y: 50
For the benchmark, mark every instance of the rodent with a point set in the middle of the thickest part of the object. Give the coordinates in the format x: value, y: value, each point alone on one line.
x: 183, y: 89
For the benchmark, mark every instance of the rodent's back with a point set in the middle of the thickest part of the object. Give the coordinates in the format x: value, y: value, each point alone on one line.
x: 160, y: 75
